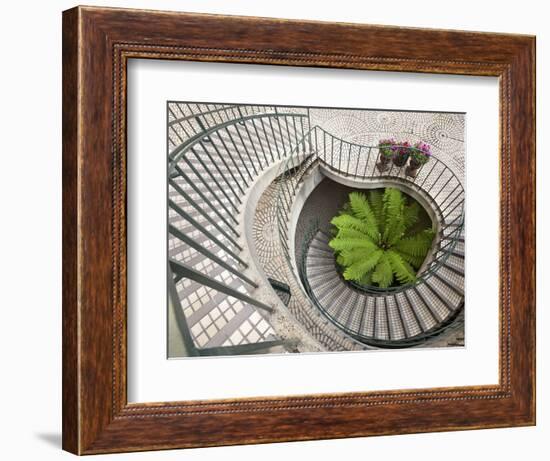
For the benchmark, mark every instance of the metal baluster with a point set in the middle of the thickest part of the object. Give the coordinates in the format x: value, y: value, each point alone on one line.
x: 303, y: 137
x: 254, y: 146
x: 205, y: 215
x: 340, y: 158
x: 212, y: 114
x: 429, y: 173
x: 283, y: 185
x: 325, y: 146
x: 177, y: 134
x: 204, y: 231
x: 281, y: 135
x: 204, y: 198
x: 434, y: 198
x: 296, y: 138
x: 332, y: 153
x: 274, y: 136
x: 181, y: 126
x: 215, y: 164
x: 228, y: 109
x: 237, y: 167
x: 349, y: 159
x: 454, y: 208
x: 260, y: 141
x: 202, y: 127
x: 458, y: 195
x: 367, y: 165
x: 170, y: 127
x: 288, y: 135
x: 437, y: 179
x: 236, y: 127
x: 267, y: 140
x: 358, y: 158
x: 391, y: 168
x: 185, y: 119
x: 197, y: 174
x: 316, y: 143
x: 239, y: 153
x: 203, y: 279
x: 450, y: 193
x: 194, y: 117
x: 230, y: 170
x: 207, y: 170
x: 233, y: 115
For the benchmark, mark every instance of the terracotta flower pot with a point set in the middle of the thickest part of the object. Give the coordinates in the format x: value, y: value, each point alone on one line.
x: 400, y: 159
x: 383, y: 163
x: 412, y: 169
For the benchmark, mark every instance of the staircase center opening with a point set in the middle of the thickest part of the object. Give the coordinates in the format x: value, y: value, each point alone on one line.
x: 329, y: 200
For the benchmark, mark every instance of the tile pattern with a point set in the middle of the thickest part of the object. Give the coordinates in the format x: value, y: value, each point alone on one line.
x: 445, y: 132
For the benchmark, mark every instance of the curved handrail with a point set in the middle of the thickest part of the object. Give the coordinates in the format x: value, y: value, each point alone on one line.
x: 211, y: 112
x: 179, y: 151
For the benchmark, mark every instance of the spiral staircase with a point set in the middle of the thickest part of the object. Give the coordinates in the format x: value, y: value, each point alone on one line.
x: 250, y: 273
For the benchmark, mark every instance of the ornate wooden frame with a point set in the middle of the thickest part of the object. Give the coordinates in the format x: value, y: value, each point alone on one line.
x: 97, y: 43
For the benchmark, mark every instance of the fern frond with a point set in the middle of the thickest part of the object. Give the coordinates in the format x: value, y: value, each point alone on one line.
x: 377, y: 205
x: 411, y: 214
x: 392, y: 213
x: 383, y: 274
x: 346, y: 221
x: 360, y: 268
x: 402, y: 269
x: 415, y: 261
x: 395, y: 233
x: 416, y: 245
x: 362, y: 210
x: 367, y: 278
x: 354, y: 233
x: 339, y: 244
x: 348, y: 257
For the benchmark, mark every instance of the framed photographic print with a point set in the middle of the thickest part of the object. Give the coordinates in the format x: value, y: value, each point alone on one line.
x: 283, y: 230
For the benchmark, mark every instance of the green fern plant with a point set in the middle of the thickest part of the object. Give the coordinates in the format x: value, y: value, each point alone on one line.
x: 377, y: 238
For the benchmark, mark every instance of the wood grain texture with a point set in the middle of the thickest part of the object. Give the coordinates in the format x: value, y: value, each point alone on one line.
x: 97, y: 42
x: 70, y: 384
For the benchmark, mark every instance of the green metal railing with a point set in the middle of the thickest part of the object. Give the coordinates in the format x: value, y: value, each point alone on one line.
x: 220, y: 153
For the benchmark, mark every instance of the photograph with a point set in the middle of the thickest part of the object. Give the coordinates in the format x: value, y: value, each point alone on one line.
x: 294, y: 229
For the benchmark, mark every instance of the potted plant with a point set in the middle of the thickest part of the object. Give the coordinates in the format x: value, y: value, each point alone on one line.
x: 419, y: 156
x: 378, y: 239
x: 386, y: 148
x: 401, y: 154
